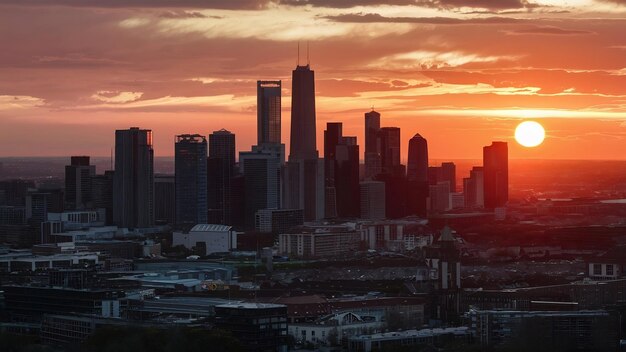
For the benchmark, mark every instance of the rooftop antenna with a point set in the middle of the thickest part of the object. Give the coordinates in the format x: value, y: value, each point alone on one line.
x: 307, y: 53
x: 298, y: 62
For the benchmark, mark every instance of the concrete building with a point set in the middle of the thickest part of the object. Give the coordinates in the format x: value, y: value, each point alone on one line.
x: 439, y: 197
x: 207, y: 239
x: 332, y: 243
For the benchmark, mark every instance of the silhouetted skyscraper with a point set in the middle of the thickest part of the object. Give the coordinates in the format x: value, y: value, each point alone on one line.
x: 303, y: 174
x: 78, y: 183
x: 347, y: 178
x: 191, y: 180
x: 102, y: 193
x: 302, y: 141
x: 220, y: 172
x: 372, y: 194
x: 260, y: 170
x: 372, y: 144
x: 133, y: 186
x: 332, y: 138
x: 496, y: 174
x: 417, y: 176
x: 417, y: 165
x: 165, y: 199
x: 447, y: 172
x: 473, y: 188
x: 268, y: 112
x: 390, y: 149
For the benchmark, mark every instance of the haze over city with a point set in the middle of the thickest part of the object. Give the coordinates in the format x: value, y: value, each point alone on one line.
x: 461, y: 73
x: 312, y: 175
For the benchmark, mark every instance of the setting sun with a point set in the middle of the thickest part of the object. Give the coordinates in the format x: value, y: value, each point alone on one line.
x: 529, y: 134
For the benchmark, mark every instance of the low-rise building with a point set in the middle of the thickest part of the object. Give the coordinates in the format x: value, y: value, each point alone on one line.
x: 258, y: 326
x: 319, y: 244
x: 382, y: 341
x: 207, y: 239
x: 278, y: 220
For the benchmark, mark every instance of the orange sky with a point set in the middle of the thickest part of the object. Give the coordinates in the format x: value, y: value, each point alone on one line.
x: 459, y: 72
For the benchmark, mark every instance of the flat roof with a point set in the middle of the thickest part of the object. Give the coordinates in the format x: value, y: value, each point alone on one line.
x: 210, y: 228
x: 251, y: 305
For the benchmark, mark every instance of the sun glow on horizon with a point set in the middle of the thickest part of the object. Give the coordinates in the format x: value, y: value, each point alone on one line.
x: 529, y: 134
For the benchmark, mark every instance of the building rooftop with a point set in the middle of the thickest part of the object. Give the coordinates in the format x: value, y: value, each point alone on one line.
x: 251, y: 305
x: 210, y: 228
x: 412, y: 334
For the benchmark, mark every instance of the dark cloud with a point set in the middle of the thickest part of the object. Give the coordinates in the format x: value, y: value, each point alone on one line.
x: 484, y: 4
x: 260, y: 4
x: 376, y: 18
x: 346, y: 3
x: 548, y: 30
x: 618, y: 2
x: 199, y: 4
x: 184, y: 14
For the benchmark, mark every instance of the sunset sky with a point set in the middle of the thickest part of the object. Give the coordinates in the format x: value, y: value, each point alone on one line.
x: 459, y: 72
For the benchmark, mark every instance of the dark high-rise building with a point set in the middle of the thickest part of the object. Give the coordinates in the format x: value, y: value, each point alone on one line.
x: 220, y: 171
x: 258, y: 326
x: 390, y: 149
x: 164, y: 199
x: 102, y: 194
x: 133, y: 181
x: 473, y: 188
x: 347, y: 178
x: 78, y: 176
x: 260, y: 170
x: 191, y: 180
x: 396, y: 195
x: 303, y: 175
x: 14, y: 191
x: 303, y: 142
x: 417, y: 176
x: 268, y: 111
x: 332, y: 137
x: 447, y: 172
x: 496, y: 174
x: 417, y: 166
x: 372, y: 144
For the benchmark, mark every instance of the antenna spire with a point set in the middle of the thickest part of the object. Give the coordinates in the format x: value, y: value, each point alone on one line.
x: 298, y: 61
x: 308, y: 62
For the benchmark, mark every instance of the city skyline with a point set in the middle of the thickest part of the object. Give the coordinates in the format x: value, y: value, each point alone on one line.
x: 459, y: 74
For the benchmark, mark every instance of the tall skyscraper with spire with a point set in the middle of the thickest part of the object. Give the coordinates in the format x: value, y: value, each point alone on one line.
x: 304, y: 172
x: 303, y: 142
